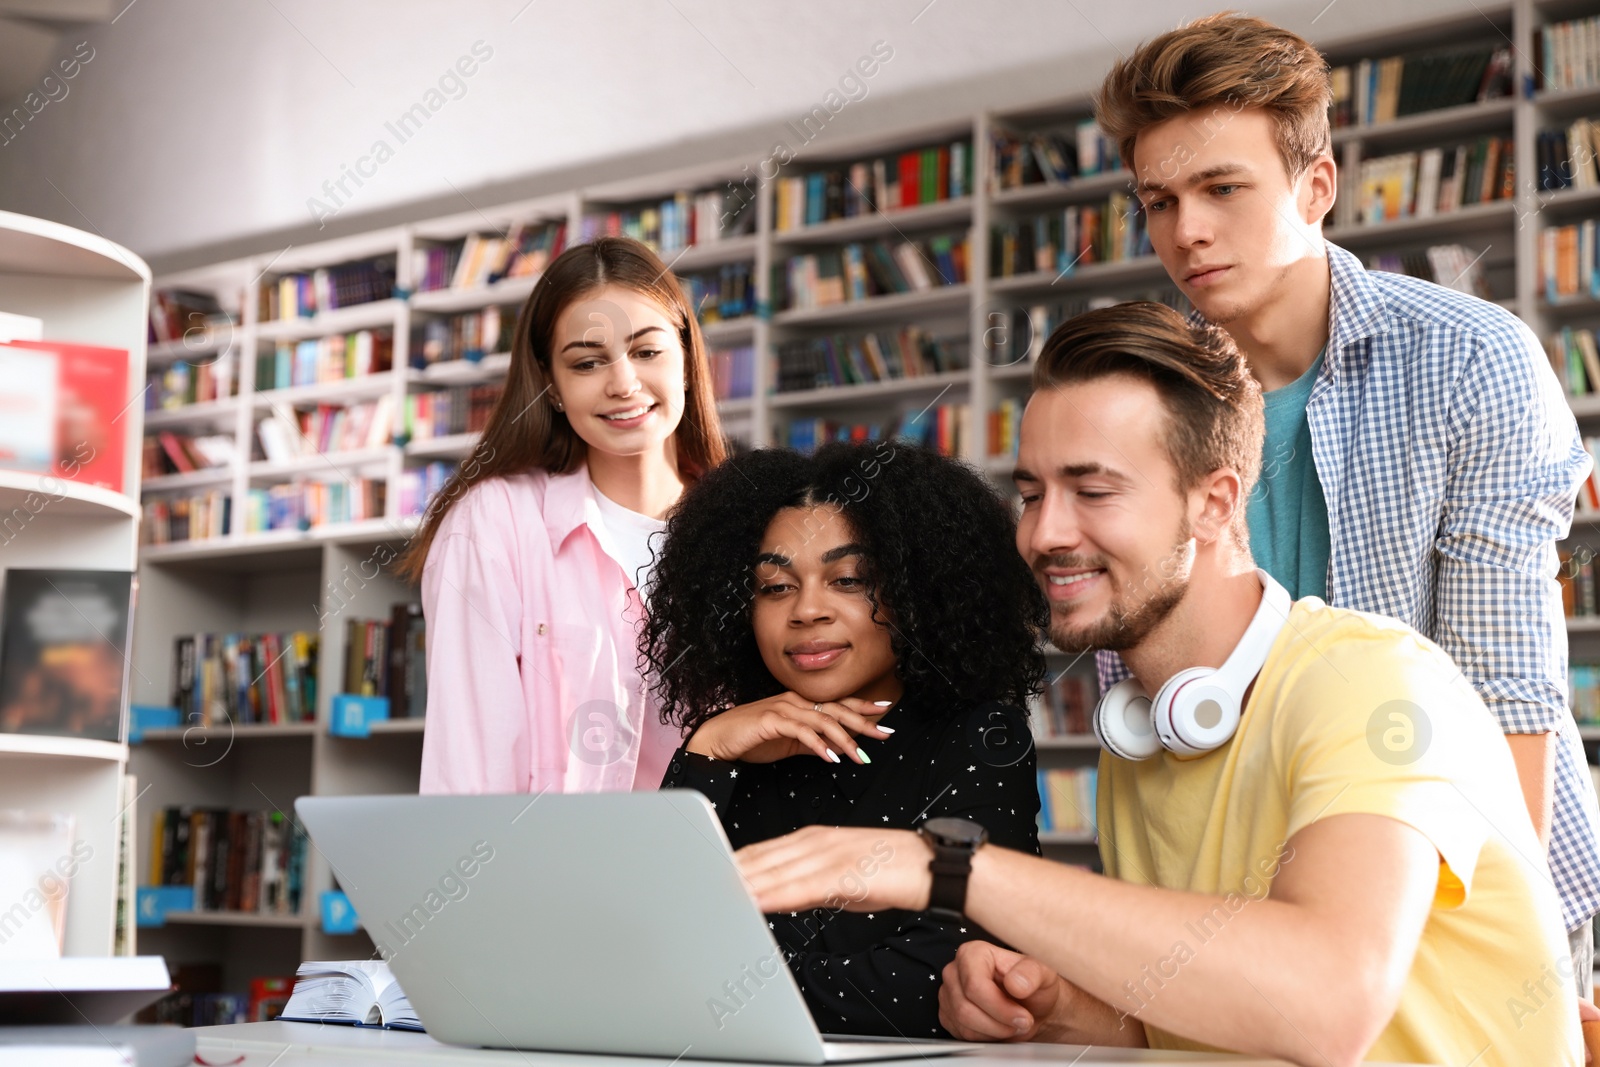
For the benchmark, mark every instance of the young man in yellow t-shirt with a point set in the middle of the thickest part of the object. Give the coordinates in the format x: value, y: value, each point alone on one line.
x: 1350, y: 875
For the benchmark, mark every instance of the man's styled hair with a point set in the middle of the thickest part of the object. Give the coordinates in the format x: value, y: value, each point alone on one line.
x: 1218, y: 66
x: 1213, y: 405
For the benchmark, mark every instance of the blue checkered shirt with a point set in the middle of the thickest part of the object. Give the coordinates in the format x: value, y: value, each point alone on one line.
x: 1450, y: 462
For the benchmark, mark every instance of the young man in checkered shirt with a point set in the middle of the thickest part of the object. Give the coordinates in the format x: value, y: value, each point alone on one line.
x: 1420, y: 461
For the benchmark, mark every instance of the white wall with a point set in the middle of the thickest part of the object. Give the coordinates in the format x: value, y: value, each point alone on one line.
x: 203, y: 128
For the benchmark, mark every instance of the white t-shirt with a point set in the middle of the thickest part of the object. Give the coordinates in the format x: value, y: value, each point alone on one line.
x: 625, y: 535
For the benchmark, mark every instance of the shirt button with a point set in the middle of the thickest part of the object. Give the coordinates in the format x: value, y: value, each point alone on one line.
x: 676, y: 766
x: 816, y: 802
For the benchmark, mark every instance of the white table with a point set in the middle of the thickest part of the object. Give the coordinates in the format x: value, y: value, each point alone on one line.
x: 282, y: 1044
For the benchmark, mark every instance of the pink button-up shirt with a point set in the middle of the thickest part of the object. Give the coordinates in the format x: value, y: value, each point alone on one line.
x: 533, y: 679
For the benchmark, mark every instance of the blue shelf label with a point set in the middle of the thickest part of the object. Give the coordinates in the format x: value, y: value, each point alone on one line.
x: 338, y: 914
x: 142, y: 717
x: 152, y: 902
x: 353, y: 716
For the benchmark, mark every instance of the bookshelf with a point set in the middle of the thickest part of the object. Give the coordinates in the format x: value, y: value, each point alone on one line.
x: 253, y: 581
x: 85, y: 289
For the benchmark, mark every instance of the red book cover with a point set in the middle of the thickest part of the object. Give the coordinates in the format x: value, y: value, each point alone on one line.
x: 910, y: 179
x: 174, y: 450
x: 268, y: 997
x: 93, y: 401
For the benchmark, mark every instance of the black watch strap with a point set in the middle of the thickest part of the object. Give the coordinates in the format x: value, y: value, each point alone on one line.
x: 953, y: 842
x: 951, y: 868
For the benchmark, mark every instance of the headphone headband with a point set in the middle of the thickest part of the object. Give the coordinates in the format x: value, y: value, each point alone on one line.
x: 1250, y: 654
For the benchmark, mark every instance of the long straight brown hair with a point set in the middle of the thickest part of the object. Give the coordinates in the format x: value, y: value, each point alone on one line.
x: 525, y: 432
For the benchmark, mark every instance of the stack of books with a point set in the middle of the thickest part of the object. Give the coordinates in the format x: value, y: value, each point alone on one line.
x: 1577, y: 579
x: 287, y: 433
x: 1588, y: 502
x: 196, y: 517
x: 1452, y: 266
x: 386, y: 658
x: 943, y: 428
x: 862, y: 271
x: 1066, y: 799
x: 922, y: 176
x: 457, y: 409
x: 168, y: 452
x: 308, y: 505
x: 1575, y: 358
x: 182, y: 383
x: 1567, y: 157
x: 1017, y: 335
x: 1382, y: 90
x: 1051, y: 157
x: 1566, y: 55
x: 1567, y: 262
x: 1067, y: 707
x: 302, y: 295
x: 723, y: 294
x: 472, y: 335
x: 482, y: 259
x: 325, y: 359
x: 419, y: 484
x: 245, y: 678
x: 680, y: 221
x: 1066, y: 240
x: 247, y: 861
x: 184, y: 314
x: 199, y: 999
x: 854, y: 359
x: 1435, y: 181
x: 733, y: 372
x: 1004, y: 428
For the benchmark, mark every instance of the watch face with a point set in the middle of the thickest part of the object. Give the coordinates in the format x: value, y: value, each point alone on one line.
x: 956, y: 832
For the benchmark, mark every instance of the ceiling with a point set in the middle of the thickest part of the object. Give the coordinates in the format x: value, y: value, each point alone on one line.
x: 207, y: 126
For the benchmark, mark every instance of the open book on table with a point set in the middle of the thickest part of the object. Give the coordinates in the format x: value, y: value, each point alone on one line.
x: 353, y: 992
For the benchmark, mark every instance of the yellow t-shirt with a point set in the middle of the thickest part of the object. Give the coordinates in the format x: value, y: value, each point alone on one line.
x: 1355, y: 713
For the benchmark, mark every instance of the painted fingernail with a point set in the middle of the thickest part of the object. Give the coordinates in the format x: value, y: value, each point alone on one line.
x: 833, y: 755
x: 886, y: 729
x: 863, y: 754
x: 881, y: 703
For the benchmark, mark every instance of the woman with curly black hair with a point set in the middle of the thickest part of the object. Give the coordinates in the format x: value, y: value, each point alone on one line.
x: 849, y: 639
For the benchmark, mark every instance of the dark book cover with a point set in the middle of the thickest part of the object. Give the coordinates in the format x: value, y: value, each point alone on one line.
x: 64, y: 637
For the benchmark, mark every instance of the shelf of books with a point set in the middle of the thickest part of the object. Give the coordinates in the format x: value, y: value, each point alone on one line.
x: 73, y: 311
x: 303, y: 407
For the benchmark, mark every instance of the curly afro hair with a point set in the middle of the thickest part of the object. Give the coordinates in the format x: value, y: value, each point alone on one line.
x: 940, y: 559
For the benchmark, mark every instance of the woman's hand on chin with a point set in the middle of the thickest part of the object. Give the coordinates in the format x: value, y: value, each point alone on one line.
x: 787, y: 725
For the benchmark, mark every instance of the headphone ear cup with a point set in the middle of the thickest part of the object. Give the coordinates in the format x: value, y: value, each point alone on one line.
x: 1123, y: 723
x: 1194, y: 713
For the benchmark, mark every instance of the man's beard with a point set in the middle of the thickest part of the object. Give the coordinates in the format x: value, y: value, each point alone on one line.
x: 1125, y: 627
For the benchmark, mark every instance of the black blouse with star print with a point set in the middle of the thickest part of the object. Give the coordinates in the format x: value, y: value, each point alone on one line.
x: 879, y: 973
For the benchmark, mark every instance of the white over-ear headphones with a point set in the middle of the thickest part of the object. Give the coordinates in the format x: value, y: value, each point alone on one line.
x: 1198, y: 709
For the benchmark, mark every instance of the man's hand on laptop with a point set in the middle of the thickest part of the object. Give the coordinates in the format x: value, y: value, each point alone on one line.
x: 989, y: 993
x: 788, y: 724
x: 851, y: 868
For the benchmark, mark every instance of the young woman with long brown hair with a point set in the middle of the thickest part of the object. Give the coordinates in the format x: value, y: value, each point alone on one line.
x: 531, y: 557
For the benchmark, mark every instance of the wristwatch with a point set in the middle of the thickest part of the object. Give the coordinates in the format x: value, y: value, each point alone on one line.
x: 953, y: 842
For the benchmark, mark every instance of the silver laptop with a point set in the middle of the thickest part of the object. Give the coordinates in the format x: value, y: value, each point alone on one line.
x: 602, y: 923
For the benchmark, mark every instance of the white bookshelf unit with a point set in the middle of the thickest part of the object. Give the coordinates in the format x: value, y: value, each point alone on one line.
x: 88, y: 290
x: 295, y: 579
